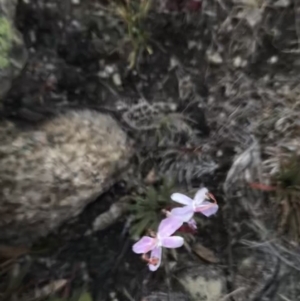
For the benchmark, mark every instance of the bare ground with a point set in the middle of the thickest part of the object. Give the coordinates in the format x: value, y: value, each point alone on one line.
x: 226, y: 77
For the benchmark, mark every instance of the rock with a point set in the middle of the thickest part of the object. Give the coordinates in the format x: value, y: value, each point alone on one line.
x: 117, y: 79
x: 109, y: 217
x: 214, y: 57
x: 273, y: 60
x: 282, y: 3
x: 49, y: 173
x: 13, y: 54
x: 204, y: 283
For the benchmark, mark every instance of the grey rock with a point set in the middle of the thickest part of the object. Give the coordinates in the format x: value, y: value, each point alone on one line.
x: 13, y: 54
x: 49, y: 173
x: 110, y: 216
x: 204, y: 283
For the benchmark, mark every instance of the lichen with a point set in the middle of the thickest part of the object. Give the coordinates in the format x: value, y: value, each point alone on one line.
x: 6, y: 37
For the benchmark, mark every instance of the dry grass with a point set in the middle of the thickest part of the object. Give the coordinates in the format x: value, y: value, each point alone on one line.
x: 133, y: 14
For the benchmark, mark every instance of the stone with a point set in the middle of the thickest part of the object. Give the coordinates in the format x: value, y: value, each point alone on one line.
x: 204, y: 283
x: 13, y: 54
x: 110, y: 216
x: 117, y: 79
x: 51, y: 171
x: 214, y: 58
x: 282, y: 3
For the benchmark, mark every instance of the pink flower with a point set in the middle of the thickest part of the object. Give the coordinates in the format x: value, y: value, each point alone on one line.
x: 182, y: 217
x: 198, y: 204
x: 163, y: 238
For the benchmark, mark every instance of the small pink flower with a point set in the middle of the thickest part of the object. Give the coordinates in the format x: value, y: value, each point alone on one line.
x: 198, y: 204
x: 163, y: 238
x: 179, y: 214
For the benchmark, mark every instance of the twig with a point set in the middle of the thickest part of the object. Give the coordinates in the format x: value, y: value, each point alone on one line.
x: 238, y: 290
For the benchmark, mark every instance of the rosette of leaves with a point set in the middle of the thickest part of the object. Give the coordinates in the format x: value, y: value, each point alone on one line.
x: 146, y: 209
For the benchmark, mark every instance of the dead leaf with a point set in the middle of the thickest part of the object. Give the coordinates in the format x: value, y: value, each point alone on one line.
x: 50, y: 288
x: 151, y: 177
x: 205, y: 253
x: 8, y: 252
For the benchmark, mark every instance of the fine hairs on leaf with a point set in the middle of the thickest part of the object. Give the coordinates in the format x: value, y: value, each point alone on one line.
x: 146, y: 210
x: 186, y: 164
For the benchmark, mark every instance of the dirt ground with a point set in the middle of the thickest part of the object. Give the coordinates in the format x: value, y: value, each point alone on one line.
x: 225, y: 74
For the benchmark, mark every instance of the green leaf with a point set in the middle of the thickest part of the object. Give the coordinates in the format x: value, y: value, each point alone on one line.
x: 140, y: 227
x: 85, y: 296
x: 151, y: 195
x: 139, y: 200
x: 77, y: 294
x: 140, y: 215
x: 56, y: 299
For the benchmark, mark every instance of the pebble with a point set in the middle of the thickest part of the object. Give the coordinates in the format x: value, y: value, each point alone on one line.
x: 237, y: 62
x: 210, y: 100
x: 109, y: 69
x: 214, y: 58
x: 112, y: 295
x: 106, y: 38
x: 117, y: 79
x: 103, y: 74
x: 282, y: 3
x: 173, y: 62
x: 32, y: 36
x: 75, y: 2
x: 273, y: 60
x: 192, y: 44
x: 219, y: 153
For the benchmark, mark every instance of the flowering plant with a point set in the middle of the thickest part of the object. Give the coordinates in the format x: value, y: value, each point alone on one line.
x: 173, y: 221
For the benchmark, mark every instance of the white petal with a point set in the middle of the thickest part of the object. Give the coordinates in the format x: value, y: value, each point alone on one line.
x: 200, y: 196
x: 156, y: 253
x: 144, y: 245
x: 207, y: 208
x: 181, y: 198
x: 172, y: 242
x: 168, y: 226
x: 183, y: 213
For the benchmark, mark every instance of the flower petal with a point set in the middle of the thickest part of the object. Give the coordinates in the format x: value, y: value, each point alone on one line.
x: 181, y: 198
x: 168, y: 226
x: 144, y: 245
x: 200, y: 195
x: 207, y: 208
x: 184, y: 213
x: 172, y: 242
x: 156, y: 253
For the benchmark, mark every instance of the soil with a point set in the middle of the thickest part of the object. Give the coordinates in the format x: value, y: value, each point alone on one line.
x: 71, y: 44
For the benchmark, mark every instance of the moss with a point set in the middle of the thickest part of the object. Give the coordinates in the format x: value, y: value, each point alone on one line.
x: 6, y: 37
